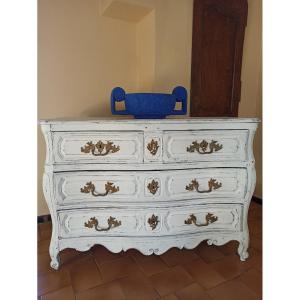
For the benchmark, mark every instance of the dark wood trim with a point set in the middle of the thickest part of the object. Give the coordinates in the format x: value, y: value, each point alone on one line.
x: 217, y: 50
x: 257, y: 200
x: 44, y: 219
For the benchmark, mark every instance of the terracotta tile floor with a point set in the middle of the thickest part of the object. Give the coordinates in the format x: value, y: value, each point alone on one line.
x: 204, y: 273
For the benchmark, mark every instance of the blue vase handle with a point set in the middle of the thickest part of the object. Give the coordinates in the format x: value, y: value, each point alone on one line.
x: 117, y: 95
x: 180, y: 94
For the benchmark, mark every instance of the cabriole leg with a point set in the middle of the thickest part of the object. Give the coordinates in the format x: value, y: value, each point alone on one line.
x: 54, y: 254
x: 243, y: 249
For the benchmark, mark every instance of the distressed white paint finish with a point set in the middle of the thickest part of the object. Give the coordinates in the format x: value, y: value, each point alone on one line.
x: 156, y: 137
x: 67, y: 147
x: 233, y: 142
x: 148, y: 166
x: 135, y: 222
x: 132, y: 168
x: 151, y: 245
x: 133, y: 186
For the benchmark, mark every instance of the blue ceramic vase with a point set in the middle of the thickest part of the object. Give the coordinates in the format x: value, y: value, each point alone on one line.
x: 149, y: 105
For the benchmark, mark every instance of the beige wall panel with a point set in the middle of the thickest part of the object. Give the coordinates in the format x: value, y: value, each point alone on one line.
x: 173, y: 44
x: 146, y: 52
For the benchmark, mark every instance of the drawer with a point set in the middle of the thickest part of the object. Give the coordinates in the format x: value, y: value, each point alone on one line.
x: 95, y: 222
x: 213, y: 184
x: 205, y: 145
x: 90, y: 187
x: 207, y: 184
x: 155, y: 222
x: 209, y: 217
x: 93, y: 147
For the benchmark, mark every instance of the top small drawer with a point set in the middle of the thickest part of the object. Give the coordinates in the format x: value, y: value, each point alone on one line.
x: 98, y: 147
x: 205, y: 145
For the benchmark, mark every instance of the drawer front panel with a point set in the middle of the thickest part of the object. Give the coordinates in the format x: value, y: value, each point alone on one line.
x: 207, y: 183
x: 88, y: 187
x: 91, y: 147
x: 205, y: 145
x: 107, y: 222
x: 218, y: 217
x: 213, y: 184
x: 156, y: 222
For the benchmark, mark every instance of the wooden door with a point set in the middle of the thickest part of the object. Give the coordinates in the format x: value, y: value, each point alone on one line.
x: 218, y: 37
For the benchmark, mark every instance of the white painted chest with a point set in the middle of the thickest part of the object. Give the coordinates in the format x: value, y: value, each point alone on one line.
x: 148, y: 184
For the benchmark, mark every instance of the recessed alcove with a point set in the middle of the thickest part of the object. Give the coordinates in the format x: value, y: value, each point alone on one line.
x: 126, y: 10
x: 142, y: 14
x: 162, y: 38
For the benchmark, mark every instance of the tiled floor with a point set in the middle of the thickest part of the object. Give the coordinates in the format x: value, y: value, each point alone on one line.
x: 204, y: 273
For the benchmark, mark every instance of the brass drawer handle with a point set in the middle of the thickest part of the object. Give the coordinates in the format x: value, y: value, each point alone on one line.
x: 153, y: 147
x: 112, y: 223
x: 100, y: 148
x: 153, y: 221
x: 210, y: 218
x: 153, y: 187
x: 212, y: 185
x: 90, y: 188
x: 201, y: 147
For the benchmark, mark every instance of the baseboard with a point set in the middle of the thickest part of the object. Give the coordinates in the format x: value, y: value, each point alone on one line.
x: 47, y: 218
x: 44, y: 219
x: 257, y: 200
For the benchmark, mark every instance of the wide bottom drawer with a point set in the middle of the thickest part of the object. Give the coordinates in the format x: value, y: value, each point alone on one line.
x: 141, y: 222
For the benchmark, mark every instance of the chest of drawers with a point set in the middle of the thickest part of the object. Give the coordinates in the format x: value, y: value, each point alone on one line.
x: 148, y: 184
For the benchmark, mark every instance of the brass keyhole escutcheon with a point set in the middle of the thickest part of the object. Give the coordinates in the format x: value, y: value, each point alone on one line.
x: 153, y: 147
x: 100, y: 148
x: 153, y: 187
x: 153, y: 221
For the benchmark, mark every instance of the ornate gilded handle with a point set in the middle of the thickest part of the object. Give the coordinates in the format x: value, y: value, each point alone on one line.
x: 153, y: 147
x: 209, y: 218
x: 202, y: 147
x: 212, y: 185
x: 153, y: 221
x: 112, y: 223
x: 153, y: 186
x: 100, y: 148
x: 90, y: 188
